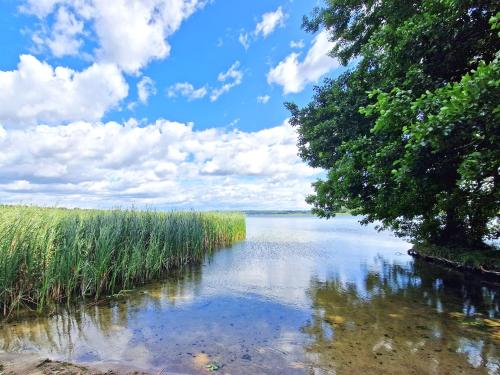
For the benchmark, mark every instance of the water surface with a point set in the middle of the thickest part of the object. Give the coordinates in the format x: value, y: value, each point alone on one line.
x: 300, y: 296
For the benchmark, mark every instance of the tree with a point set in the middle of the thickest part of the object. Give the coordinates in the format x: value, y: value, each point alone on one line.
x: 410, y: 136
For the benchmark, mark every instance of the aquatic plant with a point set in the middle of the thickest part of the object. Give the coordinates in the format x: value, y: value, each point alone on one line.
x: 53, y: 254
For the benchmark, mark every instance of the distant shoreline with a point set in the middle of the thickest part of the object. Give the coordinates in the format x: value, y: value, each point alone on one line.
x: 286, y: 213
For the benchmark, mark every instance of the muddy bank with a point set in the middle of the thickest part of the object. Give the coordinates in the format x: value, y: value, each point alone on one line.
x: 31, y: 364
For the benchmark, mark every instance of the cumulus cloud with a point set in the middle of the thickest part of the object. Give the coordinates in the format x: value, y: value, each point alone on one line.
x: 130, y: 33
x: 268, y: 23
x: 64, y: 36
x: 263, y: 99
x: 145, y: 89
x: 231, y: 78
x: 186, y: 90
x: 164, y: 163
x: 293, y: 75
x: 36, y: 92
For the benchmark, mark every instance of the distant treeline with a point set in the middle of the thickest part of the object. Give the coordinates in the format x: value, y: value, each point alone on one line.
x: 342, y: 211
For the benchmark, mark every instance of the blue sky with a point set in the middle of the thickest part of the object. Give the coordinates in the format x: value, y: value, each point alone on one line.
x: 164, y: 103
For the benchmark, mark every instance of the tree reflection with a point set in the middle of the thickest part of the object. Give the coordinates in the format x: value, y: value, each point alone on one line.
x: 404, y: 320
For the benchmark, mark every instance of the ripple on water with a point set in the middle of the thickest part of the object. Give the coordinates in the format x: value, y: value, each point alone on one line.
x: 299, y: 296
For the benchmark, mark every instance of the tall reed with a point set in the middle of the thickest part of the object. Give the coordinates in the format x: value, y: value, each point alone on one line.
x: 52, y: 255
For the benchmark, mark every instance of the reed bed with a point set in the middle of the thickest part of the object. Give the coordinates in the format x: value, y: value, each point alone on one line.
x: 53, y: 255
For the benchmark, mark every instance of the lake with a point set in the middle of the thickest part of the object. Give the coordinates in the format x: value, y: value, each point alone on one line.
x: 300, y: 296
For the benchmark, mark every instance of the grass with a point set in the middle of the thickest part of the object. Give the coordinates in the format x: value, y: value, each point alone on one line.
x: 53, y: 255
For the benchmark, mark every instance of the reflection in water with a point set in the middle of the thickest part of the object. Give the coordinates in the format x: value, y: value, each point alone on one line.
x: 300, y: 296
x: 403, y: 318
x: 98, y: 324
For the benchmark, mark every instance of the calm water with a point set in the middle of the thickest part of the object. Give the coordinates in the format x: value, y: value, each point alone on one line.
x: 300, y: 296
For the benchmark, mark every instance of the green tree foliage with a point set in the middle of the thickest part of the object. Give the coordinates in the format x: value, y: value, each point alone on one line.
x: 410, y: 135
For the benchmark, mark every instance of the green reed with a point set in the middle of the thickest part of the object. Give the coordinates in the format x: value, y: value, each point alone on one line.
x: 52, y: 255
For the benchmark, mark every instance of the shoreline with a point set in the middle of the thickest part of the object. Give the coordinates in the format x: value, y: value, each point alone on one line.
x: 487, y: 274
x: 12, y: 363
x: 34, y: 364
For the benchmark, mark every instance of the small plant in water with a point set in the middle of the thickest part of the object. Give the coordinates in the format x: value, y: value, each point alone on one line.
x: 212, y: 367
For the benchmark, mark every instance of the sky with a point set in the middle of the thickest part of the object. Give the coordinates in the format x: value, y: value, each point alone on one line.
x: 170, y: 104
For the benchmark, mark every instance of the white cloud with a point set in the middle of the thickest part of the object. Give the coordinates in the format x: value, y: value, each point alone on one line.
x: 164, y: 163
x: 297, y: 44
x: 232, y: 77
x: 269, y: 22
x: 41, y: 8
x: 293, y: 75
x: 263, y: 99
x: 130, y: 33
x: 229, y: 79
x: 232, y: 73
x: 36, y: 92
x: 187, y: 90
x: 64, y: 38
x: 244, y: 40
x: 145, y: 89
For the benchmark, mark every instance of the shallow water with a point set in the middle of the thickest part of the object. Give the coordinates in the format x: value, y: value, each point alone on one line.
x: 300, y: 296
